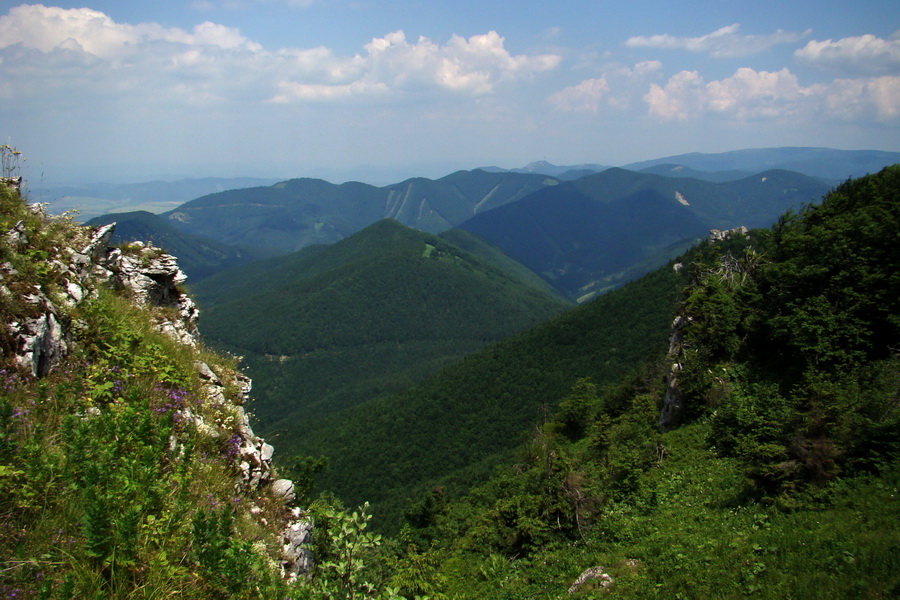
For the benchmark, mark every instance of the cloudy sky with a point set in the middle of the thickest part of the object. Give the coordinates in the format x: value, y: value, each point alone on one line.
x: 134, y: 89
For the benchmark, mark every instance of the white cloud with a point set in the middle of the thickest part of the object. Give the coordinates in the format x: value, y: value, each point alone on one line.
x: 764, y: 95
x: 319, y: 91
x: 679, y: 99
x: 860, y: 54
x: 586, y: 96
x: 47, y: 28
x: 42, y: 48
x: 614, y: 88
x: 749, y: 94
x: 722, y: 43
x: 473, y: 66
x: 852, y: 99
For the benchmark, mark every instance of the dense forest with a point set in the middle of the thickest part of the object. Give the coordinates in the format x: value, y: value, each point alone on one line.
x: 727, y: 426
x: 333, y: 326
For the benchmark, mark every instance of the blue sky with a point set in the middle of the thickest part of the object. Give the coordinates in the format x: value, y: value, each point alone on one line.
x: 134, y: 90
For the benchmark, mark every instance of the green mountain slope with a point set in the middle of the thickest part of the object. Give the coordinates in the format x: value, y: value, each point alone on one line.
x: 591, y: 234
x: 494, y: 256
x: 294, y: 214
x: 456, y: 426
x: 778, y: 476
x: 329, y: 327
x: 198, y: 257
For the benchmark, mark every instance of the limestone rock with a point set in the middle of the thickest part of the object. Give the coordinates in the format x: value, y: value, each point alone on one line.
x: 298, y: 560
x: 283, y: 489
x: 590, y: 574
x: 42, y: 344
x: 719, y: 235
x: 672, y: 402
x: 16, y: 237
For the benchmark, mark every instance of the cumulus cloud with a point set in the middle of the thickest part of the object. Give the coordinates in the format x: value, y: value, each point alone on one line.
x: 753, y: 95
x: 725, y: 42
x: 679, y: 99
x: 586, y: 96
x: 474, y: 65
x: 213, y: 63
x: 614, y: 88
x: 47, y: 28
x: 860, y: 54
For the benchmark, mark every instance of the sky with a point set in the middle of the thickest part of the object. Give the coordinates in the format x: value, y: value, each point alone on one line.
x: 135, y: 90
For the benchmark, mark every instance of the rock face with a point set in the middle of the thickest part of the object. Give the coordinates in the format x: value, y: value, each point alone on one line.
x: 719, y: 235
x: 42, y: 342
x: 298, y: 560
x: 151, y: 276
x: 672, y: 402
x: 152, y: 279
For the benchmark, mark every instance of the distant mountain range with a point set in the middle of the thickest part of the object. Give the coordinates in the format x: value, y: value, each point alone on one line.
x: 582, y: 231
x: 294, y: 214
x: 828, y: 164
x: 592, y: 234
x: 542, y: 167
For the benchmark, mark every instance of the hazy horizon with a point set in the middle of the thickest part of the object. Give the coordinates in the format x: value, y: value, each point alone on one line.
x: 126, y: 90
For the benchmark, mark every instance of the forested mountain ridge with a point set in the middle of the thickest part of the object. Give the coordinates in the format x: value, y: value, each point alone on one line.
x: 333, y: 326
x: 300, y: 212
x: 455, y: 427
x: 592, y: 234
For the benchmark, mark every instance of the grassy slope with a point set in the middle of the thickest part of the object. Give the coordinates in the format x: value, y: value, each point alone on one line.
x: 690, y: 532
x: 102, y: 481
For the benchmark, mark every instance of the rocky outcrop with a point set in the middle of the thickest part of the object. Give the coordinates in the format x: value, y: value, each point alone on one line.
x: 298, y: 560
x: 592, y: 574
x: 152, y: 279
x: 720, y: 235
x: 672, y: 401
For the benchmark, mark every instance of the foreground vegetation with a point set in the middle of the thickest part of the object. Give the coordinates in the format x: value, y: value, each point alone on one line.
x: 779, y: 475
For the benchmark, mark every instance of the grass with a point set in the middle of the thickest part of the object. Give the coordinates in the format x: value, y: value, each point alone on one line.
x: 102, y: 475
x: 689, y: 531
